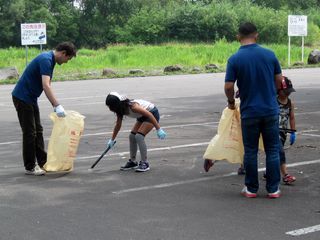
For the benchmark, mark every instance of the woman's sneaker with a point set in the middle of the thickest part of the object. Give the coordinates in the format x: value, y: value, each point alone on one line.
x: 143, y: 167
x: 288, y: 179
x: 129, y: 165
x: 37, y: 171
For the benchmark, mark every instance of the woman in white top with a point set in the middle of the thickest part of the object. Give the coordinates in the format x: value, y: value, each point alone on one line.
x: 147, y: 116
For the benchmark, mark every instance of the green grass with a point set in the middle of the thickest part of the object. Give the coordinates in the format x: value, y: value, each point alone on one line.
x: 150, y: 58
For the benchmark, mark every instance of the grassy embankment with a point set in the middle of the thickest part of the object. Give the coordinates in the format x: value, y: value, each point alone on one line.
x: 151, y: 59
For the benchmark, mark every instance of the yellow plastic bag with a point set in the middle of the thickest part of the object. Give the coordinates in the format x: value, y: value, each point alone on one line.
x: 64, y: 141
x: 227, y: 143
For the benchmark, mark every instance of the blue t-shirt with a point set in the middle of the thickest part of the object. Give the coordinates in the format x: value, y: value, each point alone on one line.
x: 254, y: 68
x: 29, y: 86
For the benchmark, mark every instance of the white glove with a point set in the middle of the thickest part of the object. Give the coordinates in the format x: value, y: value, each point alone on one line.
x: 59, y: 110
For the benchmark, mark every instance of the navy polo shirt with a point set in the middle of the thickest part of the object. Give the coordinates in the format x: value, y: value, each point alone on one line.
x: 254, y: 68
x: 29, y: 86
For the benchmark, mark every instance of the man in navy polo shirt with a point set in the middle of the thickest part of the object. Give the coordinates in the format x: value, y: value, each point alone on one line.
x: 35, y: 79
x: 258, y: 75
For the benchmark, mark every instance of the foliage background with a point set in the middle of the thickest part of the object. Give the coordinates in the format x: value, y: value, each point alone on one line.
x: 96, y: 24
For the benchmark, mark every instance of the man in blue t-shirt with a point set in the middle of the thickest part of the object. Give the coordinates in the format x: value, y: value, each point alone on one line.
x: 35, y: 79
x: 258, y: 75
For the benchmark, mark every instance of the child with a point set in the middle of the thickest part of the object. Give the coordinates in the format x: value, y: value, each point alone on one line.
x: 147, y: 117
x: 286, y: 115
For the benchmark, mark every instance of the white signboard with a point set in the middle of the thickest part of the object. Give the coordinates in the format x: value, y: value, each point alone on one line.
x: 33, y: 34
x: 297, y: 25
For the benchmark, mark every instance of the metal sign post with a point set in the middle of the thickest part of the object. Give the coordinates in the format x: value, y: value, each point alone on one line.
x: 26, y: 55
x: 289, y: 47
x: 297, y: 26
x: 302, y: 48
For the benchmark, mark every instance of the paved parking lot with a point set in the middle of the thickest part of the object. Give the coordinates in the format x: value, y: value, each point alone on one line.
x: 175, y: 199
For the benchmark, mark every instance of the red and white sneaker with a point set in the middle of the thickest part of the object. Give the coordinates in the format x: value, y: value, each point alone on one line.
x: 288, y: 179
x: 245, y: 192
x: 275, y: 194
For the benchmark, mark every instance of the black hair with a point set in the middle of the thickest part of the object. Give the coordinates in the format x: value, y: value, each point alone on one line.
x: 246, y: 29
x: 68, y: 47
x: 120, y: 108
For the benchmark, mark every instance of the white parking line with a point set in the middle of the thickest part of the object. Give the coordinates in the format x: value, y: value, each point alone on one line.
x: 306, y: 113
x: 214, y: 124
x: 304, y: 231
x: 9, y: 143
x: 166, y: 185
x: 310, y: 135
x: 166, y: 127
x: 150, y: 150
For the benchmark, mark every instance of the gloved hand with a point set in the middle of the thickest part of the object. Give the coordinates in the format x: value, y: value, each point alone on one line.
x: 292, y: 138
x: 161, y: 134
x: 59, y: 110
x: 111, y: 143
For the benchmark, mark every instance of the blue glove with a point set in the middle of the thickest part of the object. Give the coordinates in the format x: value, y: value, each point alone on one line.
x: 161, y: 134
x: 111, y: 143
x: 292, y: 138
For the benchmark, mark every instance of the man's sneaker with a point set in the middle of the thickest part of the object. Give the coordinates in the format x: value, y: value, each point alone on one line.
x: 37, y: 171
x: 207, y: 164
x: 245, y: 192
x: 288, y: 179
x: 129, y: 165
x: 143, y: 167
x: 241, y: 171
x: 275, y: 194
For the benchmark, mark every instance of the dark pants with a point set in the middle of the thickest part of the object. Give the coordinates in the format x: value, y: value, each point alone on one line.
x: 33, y: 143
x: 283, y: 137
x: 251, y: 130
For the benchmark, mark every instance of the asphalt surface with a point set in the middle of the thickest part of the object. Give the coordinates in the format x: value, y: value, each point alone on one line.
x: 175, y: 199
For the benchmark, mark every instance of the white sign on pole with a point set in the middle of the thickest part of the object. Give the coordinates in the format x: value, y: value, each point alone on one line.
x: 297, y: 25
x: 33, y: 34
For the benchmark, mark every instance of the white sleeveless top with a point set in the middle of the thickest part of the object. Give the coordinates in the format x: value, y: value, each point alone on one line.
x: 144, y: 104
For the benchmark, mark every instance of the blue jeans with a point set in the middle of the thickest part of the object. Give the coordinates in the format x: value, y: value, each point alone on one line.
x: 251, y: 130
x: 281, y: 152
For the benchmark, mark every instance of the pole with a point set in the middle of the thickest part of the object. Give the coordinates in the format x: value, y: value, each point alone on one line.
x: 302, y: 49
x: 26, y: 55
x: 289, y: 49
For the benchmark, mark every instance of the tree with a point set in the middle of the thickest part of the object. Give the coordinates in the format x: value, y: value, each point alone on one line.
x: 147, y: 26
x: 11, y: 14
x: 67, y: 18
x: 99, y: 18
